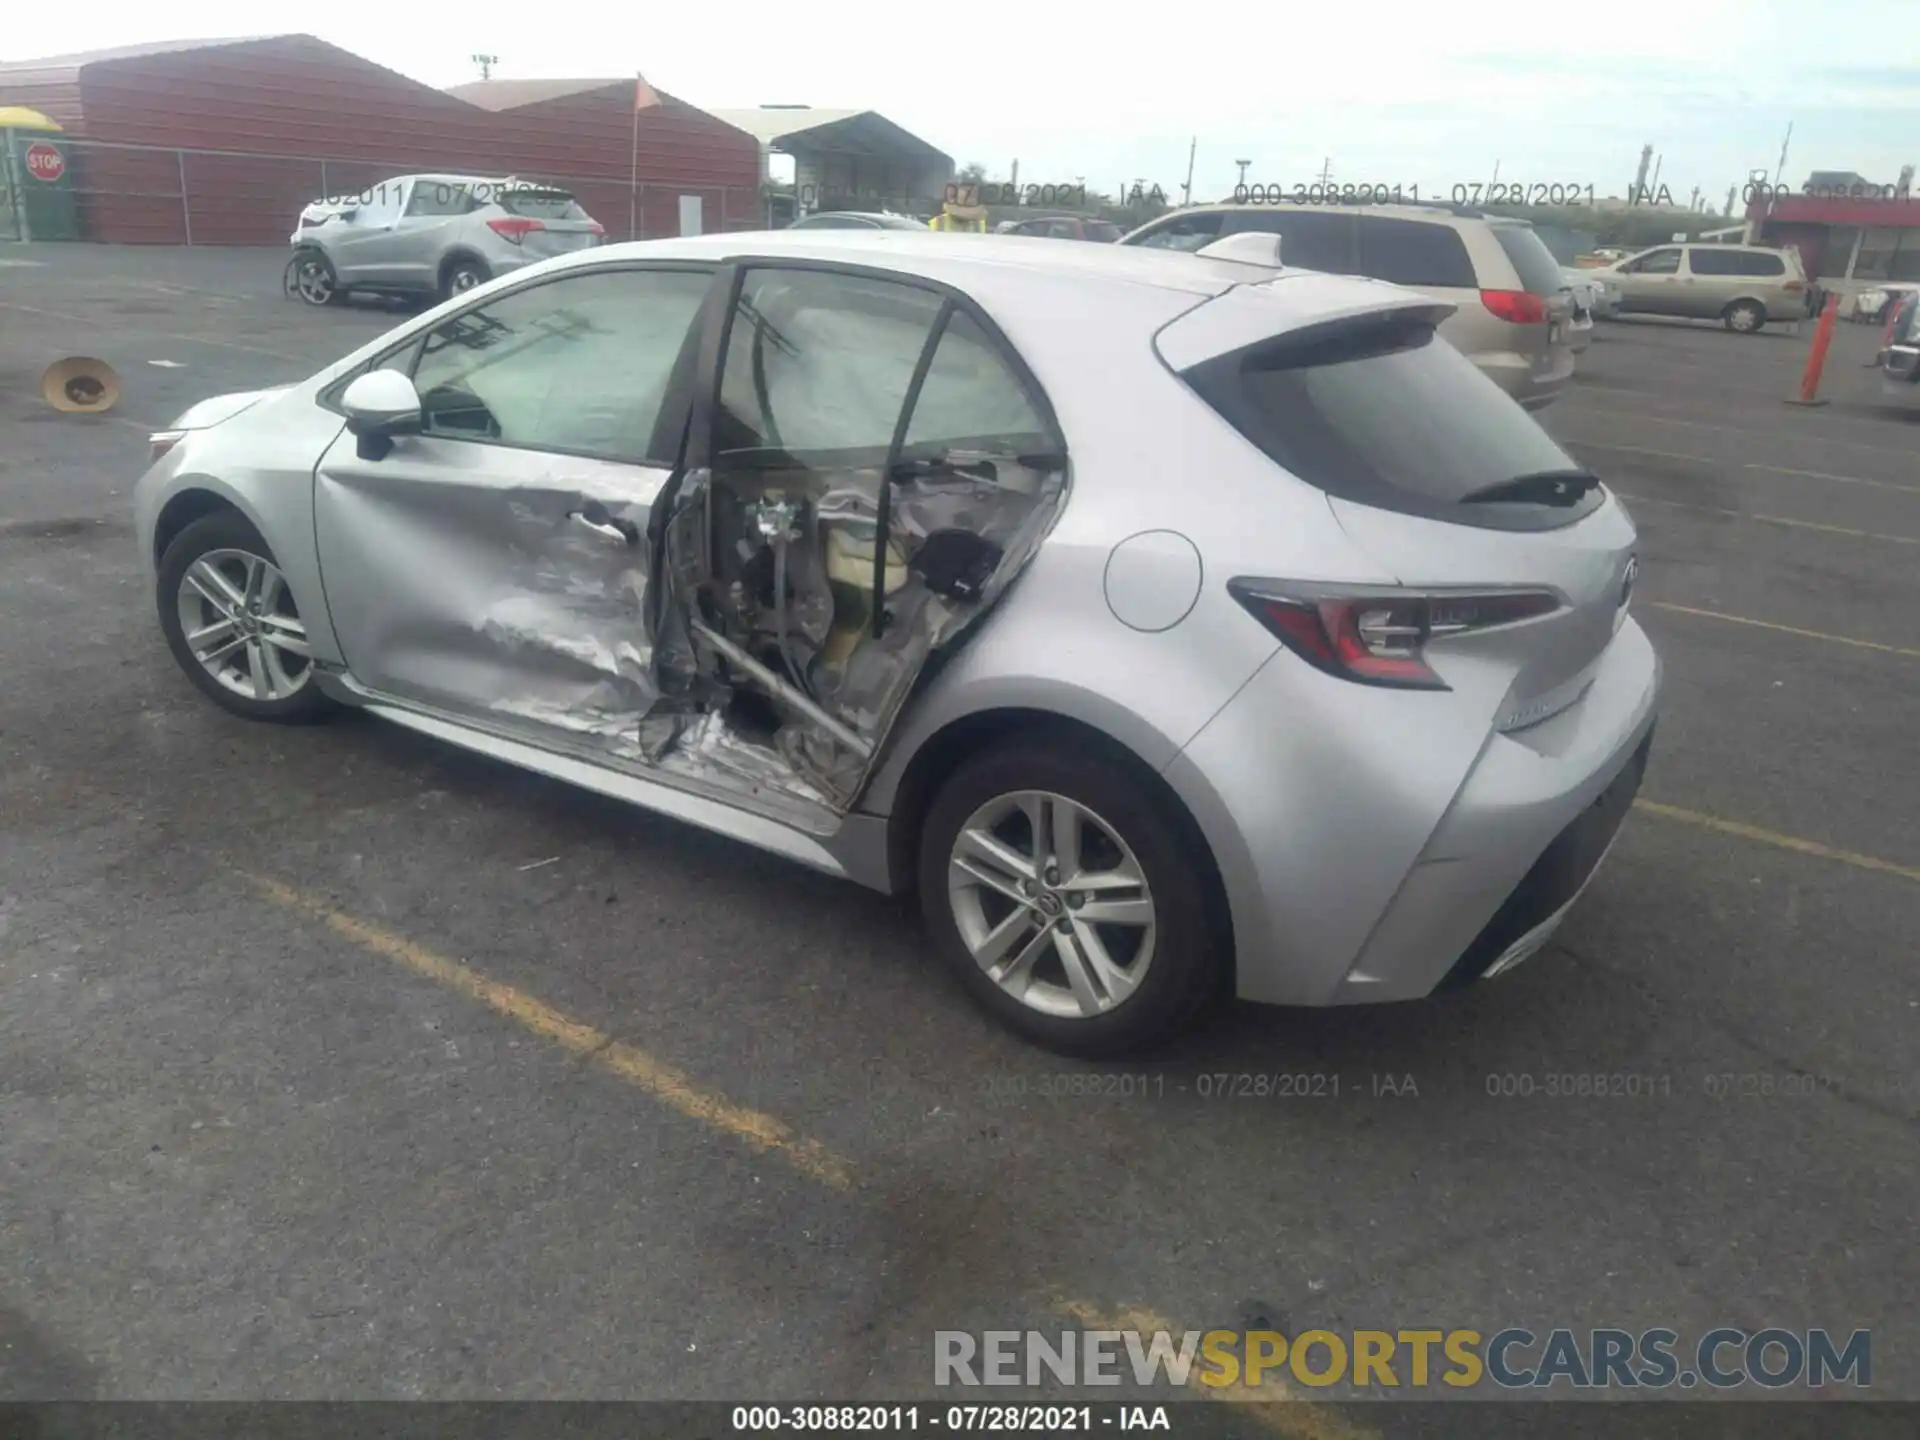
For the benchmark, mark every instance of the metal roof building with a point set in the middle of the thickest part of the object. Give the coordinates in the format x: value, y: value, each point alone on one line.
x: 845, y: 159
x: 223, y: 141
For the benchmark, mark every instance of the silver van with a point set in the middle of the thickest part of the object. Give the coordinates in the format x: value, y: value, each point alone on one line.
x: 1744, y: 287
x: 1514, y: 313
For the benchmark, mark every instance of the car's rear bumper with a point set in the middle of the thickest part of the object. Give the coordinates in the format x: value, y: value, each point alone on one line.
x: 1317, y: 922
x: 1534, y: 379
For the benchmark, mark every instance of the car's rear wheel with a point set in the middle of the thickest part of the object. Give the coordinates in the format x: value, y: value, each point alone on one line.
x: 462, y: 275
x: 230, y: 619
x: 313, y: 279
x: 1063, y: 891
x: 1744, y: 317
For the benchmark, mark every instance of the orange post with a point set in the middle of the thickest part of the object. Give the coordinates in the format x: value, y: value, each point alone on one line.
x: 1817, y: 356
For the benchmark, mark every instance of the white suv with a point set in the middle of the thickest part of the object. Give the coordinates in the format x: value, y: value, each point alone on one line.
x: 432, y: 235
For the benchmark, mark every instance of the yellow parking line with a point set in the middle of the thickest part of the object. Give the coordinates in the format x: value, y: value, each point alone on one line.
x: 633, y: 1065
x: 1771, y: 519
x: 1277, y: 1406
x: 1785, y: 629
x: 1776, y: 839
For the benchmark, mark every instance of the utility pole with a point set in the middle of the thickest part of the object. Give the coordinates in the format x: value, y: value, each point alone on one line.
x: 1243, y: 164
x: 1732, y: 190
x: 1496, y: 172
x: 486, y: 64
x: 1326, y: 172
x: 1640, y: 177
x: 1781, y: 168
x: 1186, y: 190
x: 1654, y: 184
x: 1693, y: 202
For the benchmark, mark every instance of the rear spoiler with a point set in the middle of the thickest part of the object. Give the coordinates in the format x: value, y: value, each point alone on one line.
x: 1299, y: 303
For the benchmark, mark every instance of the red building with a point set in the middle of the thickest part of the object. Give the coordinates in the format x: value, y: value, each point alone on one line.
x: 1845, y: 242
x: 221, y: 142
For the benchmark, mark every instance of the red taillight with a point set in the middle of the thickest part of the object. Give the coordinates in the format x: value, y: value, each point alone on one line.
x: 515, y: 227
x: 1517, y: 307
x: 1381, y: 639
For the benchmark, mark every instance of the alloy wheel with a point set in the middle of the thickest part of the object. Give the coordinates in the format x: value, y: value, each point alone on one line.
x: 464, y: 278
x: 1052, y: 904
x: 240, y: 623
x: 314, y: 281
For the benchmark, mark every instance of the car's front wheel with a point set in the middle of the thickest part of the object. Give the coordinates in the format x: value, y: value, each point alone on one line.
x: 1744, y: 317
x: 230, y: 619
x: 311, y: 276
x: 1064, y: 891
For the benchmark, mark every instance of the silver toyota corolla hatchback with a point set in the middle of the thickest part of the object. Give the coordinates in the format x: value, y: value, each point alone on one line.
x: 1176, y: 625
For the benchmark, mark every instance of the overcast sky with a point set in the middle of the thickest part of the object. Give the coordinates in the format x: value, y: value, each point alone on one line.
x: 1552, y: 93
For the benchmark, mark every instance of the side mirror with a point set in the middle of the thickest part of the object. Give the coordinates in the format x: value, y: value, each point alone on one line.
x: 380, y: 404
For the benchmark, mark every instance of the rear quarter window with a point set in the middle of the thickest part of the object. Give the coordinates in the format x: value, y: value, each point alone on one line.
x: 1413, y: 253
x: 1384, y: 413
x: 1539, y: 272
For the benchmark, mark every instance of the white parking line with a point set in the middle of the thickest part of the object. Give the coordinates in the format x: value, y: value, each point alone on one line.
x: 1709, y: 461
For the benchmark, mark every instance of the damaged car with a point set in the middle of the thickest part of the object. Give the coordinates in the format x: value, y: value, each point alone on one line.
x: 1175, y: 626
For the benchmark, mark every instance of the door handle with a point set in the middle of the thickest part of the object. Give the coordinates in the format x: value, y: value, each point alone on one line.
x: 595, y: 518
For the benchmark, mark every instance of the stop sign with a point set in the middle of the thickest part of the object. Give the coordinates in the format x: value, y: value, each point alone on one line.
x: 45, y: 162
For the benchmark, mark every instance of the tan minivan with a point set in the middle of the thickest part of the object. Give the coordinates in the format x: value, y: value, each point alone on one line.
x: 1742, y: 286
x: 1514, y: 315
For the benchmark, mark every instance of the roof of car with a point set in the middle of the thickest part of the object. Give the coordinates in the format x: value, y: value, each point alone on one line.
x: 1436, y: 213
x: 924, y: 251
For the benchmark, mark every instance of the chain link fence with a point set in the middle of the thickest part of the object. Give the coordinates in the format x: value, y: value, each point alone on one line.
x: 146, y: 195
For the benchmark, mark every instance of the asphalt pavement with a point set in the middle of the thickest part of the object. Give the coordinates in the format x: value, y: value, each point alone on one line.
x: 335, y: 1063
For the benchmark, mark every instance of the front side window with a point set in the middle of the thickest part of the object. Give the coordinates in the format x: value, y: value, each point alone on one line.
x: 578, y: 365
x: 1655, y: 262
x: 1184, y: 232
x: 819, y: 365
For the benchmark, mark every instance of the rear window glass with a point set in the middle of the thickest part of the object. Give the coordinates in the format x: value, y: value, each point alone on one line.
x: 1408, y: 252
x: 1539, y: 272
x: 542, y: 204
x: 1387, y: 414
x: 1735, y: 262
x: 1102, y: 230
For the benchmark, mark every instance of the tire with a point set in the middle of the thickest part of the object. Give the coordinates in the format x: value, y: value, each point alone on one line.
x: 186, y: 593
x: 461, y: 274
x: 1745, y: 317
x: 311, y: 276
x: 1182, y: 943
